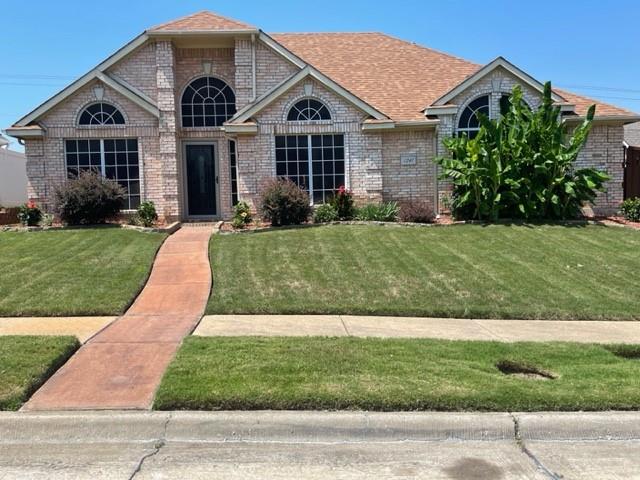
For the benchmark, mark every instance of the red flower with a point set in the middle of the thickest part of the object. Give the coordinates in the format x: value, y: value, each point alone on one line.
x: 32, y: 204
x: 342, y: 190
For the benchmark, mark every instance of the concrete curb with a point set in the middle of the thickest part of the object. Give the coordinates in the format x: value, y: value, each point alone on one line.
x: 311, y: 427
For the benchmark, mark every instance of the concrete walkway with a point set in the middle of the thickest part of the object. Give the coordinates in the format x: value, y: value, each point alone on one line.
x: 407, y: 327
x: 319, y: 445
x: 81, y: 327
x: 121, y: 367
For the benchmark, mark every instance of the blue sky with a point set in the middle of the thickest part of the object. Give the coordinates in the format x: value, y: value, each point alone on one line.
x: 586, y: 46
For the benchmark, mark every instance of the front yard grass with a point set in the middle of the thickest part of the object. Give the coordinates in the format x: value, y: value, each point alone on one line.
x: 27, y: 362
x: 391, y: 374
x: 87, y: 271
x: 468, y: 271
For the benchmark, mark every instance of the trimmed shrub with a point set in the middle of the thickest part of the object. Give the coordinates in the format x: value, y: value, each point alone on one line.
x: 147, y: 214
x: 378, y: 212
x: 89, y: 199
x: 630, y: 209
x: 241, y: 215
x: 415, y: 211
x: 29, y: 214
x: 325, y: 213
x: 284, y: 203
x: 342, y: 202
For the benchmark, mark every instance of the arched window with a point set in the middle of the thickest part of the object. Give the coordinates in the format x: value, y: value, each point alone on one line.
x: 207, y: 102
x: 469, y: 123
x: 101, y: 114
x: 308, y: 109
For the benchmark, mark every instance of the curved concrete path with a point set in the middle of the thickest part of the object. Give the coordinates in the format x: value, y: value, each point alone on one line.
x: 121, y: 367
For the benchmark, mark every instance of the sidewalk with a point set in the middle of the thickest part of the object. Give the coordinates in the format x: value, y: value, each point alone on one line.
x: 319, y: 445
x: 121, y: 367
x: 411, y: 327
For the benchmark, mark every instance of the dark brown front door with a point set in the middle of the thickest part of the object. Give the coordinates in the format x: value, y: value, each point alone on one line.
x: 201, y: 181
x: 632, y: 173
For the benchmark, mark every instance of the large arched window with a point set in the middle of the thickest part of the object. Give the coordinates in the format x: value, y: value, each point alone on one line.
x: 207, y: 102
x: 308, y: 109
x: 101, y: 114
x: 469, y: 123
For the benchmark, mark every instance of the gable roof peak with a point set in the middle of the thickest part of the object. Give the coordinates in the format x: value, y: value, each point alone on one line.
x: 203, y: 20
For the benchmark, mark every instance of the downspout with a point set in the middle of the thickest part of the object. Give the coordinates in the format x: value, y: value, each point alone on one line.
x: 436, y: 196
x: 253, y: 66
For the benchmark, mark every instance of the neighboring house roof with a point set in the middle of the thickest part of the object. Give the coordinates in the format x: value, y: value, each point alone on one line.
x: 632, y: 134
x: 397, y: 77
x: 202, y: 22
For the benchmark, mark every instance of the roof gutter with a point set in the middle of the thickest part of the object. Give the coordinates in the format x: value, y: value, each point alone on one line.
x: 193, y: 33
x: 25, y: 132
x: 624, y: 119
x: 400, y: 125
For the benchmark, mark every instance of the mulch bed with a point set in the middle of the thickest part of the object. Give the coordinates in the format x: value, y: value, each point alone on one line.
x: 620, y: 221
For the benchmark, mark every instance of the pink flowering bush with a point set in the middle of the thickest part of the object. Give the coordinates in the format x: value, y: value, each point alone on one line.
x: 342, y: 201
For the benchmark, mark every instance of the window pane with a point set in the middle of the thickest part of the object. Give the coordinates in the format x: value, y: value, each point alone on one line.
x: 207, y: 101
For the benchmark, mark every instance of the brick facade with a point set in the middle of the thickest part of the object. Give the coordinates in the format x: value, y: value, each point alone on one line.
x: 380, y: 165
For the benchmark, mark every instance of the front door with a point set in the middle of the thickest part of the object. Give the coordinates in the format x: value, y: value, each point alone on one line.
x: 201, y: 181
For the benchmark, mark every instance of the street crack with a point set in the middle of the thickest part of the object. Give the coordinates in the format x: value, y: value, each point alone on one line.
x: 520, y: 442
x: 157, y: 446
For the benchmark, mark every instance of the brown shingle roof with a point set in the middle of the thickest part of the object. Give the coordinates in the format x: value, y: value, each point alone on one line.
x: 398, y: 78
x: 202, y: 21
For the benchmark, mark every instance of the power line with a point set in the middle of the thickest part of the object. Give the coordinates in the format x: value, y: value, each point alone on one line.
x: 27, y: 84
x: 606, y: 89
x: 36, y: 77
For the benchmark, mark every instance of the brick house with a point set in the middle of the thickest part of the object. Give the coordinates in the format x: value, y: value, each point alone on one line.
x: 196, y: 113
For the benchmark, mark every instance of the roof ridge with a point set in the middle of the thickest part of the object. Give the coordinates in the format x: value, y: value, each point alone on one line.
x: 200, y: 12
x: 435, y: 50
x: 184, y: 17
x: 595, y: 101
x: 367, y: 32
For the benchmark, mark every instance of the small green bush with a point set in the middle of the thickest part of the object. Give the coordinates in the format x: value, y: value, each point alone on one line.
x: 378, y: 212
x: 147, y: 214
x: 89, y: 199
x: 241, y: 215
x: 284, y: 203
x: 29, y: 214
x: 325, y: 213
x: 416, y: 211
x: 342, y: 202
x: 631, y: 209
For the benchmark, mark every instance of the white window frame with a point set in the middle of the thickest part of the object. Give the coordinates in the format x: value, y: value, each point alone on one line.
x: 103, y: 168
x: 310, y: 158
x: 469, y: 130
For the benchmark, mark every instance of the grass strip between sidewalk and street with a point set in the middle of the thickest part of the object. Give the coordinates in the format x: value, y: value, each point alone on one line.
x: 317, y: 373
x: 26, y: 362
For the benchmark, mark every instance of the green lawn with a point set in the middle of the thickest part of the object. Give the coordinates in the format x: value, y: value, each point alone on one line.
x: 374, y: 374
x: 27, y: 362
x: 497, y: 271
x: 92, y: 271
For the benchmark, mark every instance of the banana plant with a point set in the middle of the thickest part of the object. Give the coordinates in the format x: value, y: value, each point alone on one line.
x: 521, y: 165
